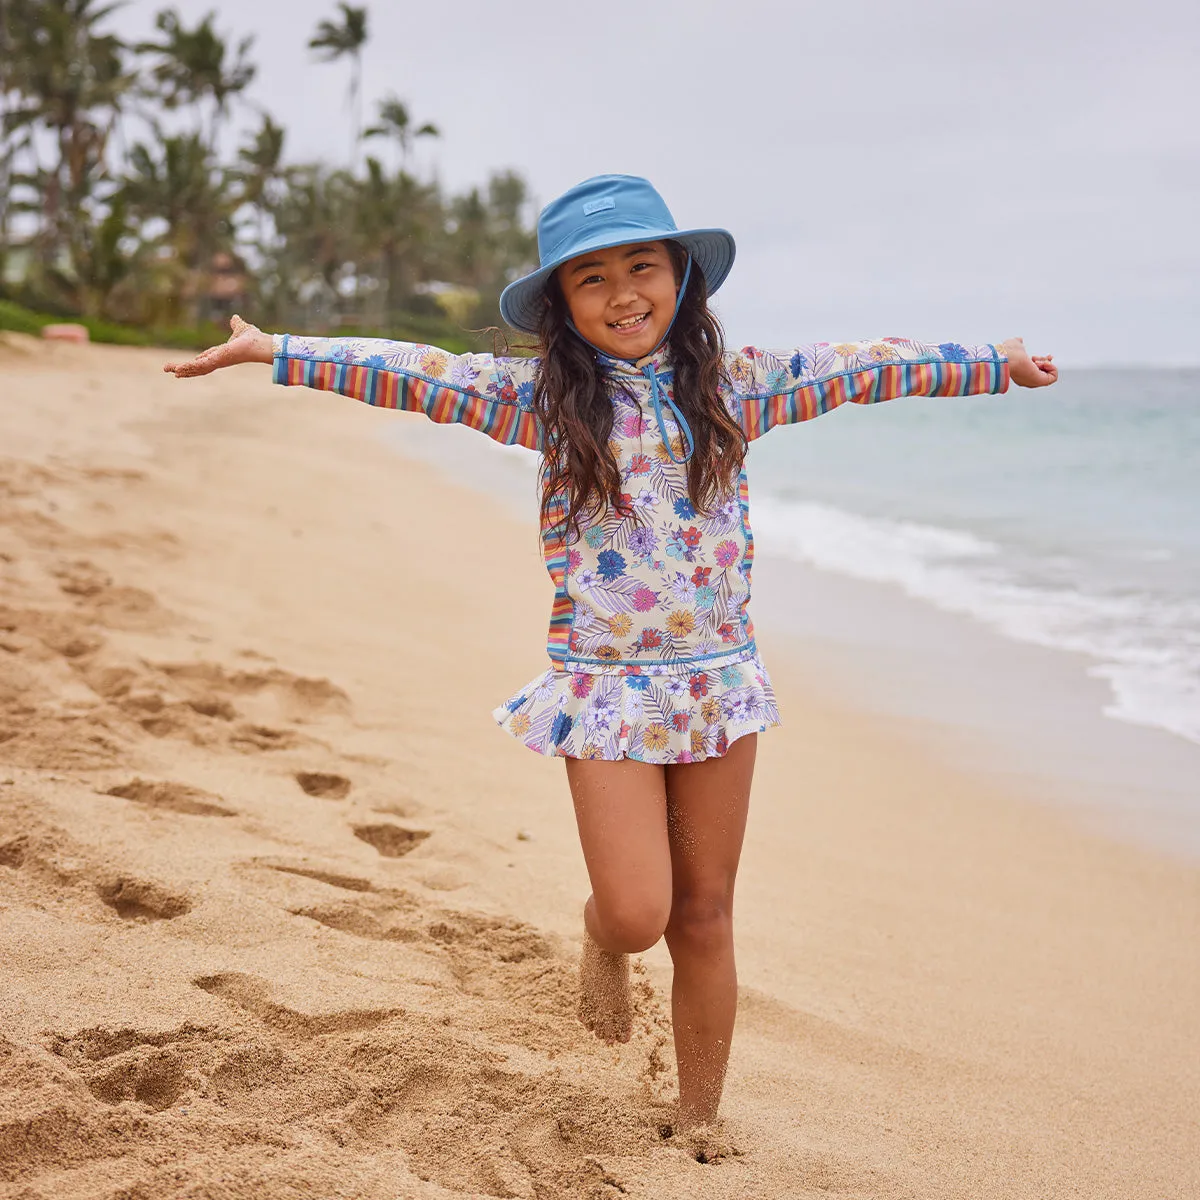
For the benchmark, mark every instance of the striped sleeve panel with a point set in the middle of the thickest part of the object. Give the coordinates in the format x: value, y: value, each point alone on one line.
x: 502, y: 418
x: 554, y: 551
x: 787, y: 387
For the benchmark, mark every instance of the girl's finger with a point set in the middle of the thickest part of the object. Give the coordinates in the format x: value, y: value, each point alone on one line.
x: 202, y: 364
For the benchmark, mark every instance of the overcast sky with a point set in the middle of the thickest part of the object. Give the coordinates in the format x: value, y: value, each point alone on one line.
x: 941, y: 170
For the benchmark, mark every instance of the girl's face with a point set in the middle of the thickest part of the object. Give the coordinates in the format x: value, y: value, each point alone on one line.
x: 621, y: 300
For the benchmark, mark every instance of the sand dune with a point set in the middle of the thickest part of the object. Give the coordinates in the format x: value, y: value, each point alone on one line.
x: 283, y: 915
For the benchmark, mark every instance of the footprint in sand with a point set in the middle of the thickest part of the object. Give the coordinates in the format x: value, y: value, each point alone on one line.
x: 194, y: 700
x: 51, y: 868
x: 392, y: 841
x: 141, y: 900
x: 393, y: 916
x: 213, y: 706
x: 171, y: 797
x: 507, y: 941
x: 253, y: 995
x: 113, y: 606
x: 156, y: 1078
x: 59, y: 741
x: 326, y: 786
x: 81, y: 578
x: 349, y: 883
x: 62, y: 633
x: 393, y: 922
x: 295, y: 697
x: 249, y: 738
x: 13, y: 851
x: 154, y: 1069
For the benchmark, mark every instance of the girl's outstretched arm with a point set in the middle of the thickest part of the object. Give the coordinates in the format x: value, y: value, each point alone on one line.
x: 780, y: 387
x: 482, y: 391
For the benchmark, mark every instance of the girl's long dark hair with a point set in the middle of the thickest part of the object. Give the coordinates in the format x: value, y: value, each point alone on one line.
x: 572, y: 401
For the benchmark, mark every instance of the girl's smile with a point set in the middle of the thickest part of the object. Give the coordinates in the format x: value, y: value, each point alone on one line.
x: 621, y: 299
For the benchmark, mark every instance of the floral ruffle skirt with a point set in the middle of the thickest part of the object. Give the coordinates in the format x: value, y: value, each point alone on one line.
x: 657, y: 713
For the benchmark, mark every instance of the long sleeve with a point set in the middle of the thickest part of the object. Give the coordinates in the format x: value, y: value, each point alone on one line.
x: 493, y: 395
x: 780, y: 387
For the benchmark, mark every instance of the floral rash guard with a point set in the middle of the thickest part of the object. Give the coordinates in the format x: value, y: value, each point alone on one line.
x: 651, y: 646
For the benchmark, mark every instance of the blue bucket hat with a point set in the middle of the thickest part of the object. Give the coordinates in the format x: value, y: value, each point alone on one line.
x: 601, y: 212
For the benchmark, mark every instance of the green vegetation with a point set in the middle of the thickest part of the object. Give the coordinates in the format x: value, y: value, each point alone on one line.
x: 118, y: 210
x: 17, y: 318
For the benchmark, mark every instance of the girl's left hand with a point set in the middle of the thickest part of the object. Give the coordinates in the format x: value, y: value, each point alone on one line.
x: 1027, y: 370
x: 247, y: 343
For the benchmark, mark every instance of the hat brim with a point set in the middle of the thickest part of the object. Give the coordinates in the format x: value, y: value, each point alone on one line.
x: 712, y: 250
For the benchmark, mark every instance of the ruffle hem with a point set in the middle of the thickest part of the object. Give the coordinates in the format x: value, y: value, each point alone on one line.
x: 657, y: 713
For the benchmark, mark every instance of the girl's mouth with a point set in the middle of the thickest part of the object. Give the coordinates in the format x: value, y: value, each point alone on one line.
x: 628, y: 325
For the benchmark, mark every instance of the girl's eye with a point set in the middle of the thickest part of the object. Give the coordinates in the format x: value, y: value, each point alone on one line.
x: 593, y: 279
x: 639, y: 266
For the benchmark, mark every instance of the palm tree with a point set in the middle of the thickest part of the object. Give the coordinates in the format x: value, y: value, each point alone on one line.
x: 13, y: 139
x: 333, y: 41
x: 108, y: 258
x: 394, y: 123
x: 178, y: 183
x: 192, y: 66
x: 396, y: 222
x: 137, y: 241
x: 313, y: 246
x: 69, y: 80
x: 490, y: 238
x: 259, y: 168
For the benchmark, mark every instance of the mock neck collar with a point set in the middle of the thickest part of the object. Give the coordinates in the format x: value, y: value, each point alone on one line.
x: 659, y: 359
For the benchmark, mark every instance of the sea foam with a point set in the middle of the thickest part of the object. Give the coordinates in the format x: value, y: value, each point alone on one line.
x: 1145, y: 646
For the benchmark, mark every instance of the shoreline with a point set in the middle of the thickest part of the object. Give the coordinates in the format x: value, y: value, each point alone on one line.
x: 321, y: 956
x: 1028, y: 715
x: 1041, y: 720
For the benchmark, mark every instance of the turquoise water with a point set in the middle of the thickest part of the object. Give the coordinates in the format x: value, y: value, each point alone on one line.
x: 1068, y: 518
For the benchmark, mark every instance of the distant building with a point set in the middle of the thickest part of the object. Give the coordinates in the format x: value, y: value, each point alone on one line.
x: 227, y: 290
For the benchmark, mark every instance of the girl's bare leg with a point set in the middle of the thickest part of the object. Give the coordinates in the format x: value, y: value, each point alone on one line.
x: 621, y: 809
x: 707, y: 804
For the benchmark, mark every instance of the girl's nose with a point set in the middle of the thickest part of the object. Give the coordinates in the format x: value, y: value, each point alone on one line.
x: 623, y: 293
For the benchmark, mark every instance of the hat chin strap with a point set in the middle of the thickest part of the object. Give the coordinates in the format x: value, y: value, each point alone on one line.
x: 657, y: 392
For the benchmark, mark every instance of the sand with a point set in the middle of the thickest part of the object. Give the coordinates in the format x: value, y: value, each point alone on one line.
x: 283, y: 914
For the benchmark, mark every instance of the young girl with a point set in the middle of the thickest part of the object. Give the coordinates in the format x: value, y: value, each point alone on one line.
x: 656, y: 693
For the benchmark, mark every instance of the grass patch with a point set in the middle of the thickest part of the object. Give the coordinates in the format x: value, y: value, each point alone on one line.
x: 17, y: 318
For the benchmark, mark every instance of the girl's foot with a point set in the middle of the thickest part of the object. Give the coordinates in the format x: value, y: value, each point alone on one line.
x: 605, y: 1005
x: 707, y: 1142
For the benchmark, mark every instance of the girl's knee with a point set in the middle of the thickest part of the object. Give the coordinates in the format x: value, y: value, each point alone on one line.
x: 700, y: 923
x: 630, y: 928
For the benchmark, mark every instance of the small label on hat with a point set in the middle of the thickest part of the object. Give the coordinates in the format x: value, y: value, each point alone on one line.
x: 595, y: 206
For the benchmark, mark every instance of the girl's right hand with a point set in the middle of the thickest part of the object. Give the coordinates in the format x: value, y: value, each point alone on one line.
x: 1027, y: 370
x: 247, y: 343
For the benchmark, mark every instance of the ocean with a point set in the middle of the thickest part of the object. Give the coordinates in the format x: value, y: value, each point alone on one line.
x: 1067, y: 517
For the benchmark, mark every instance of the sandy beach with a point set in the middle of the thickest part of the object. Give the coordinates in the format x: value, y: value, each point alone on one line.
x: 283, y: 914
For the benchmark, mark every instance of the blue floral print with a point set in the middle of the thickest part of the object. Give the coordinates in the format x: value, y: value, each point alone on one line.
x: 611, y: 564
